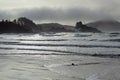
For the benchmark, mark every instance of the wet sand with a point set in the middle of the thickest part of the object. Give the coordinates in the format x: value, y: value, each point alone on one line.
x: 54, y: 67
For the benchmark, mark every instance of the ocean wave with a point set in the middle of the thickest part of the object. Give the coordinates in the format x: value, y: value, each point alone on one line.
x: 112, y: 40
x: 44, y: 40
x: 58, y: 45
x: 56, y: 52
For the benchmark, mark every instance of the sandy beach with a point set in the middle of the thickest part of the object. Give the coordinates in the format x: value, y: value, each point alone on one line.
x: 60, y: 56
x: 56, y: 67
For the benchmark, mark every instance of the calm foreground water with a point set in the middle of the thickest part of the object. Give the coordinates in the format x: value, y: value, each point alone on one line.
x: 49, y: 56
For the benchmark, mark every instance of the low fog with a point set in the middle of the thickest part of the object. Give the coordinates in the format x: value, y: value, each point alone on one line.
x: 67, y: 12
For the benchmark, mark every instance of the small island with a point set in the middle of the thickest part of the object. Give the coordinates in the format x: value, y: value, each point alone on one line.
x: 84, y: 28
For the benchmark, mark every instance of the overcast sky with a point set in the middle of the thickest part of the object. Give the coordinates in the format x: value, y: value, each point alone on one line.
x: 62, y: 11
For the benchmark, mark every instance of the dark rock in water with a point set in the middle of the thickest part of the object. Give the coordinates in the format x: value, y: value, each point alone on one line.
x: 73, y: 64
x: 83, y: 28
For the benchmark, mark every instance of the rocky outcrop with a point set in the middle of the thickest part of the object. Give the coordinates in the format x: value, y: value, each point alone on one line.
x: 83, y: 28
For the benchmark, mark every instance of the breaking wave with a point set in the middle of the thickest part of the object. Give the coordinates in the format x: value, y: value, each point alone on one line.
x: 89, y: 44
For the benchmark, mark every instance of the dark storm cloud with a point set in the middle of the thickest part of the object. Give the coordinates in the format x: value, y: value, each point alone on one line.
x: 72, y: 14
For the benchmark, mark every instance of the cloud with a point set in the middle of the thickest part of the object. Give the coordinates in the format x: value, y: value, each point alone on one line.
x: 71, y: 14
x: 104, y: 9
x: 5, y: 15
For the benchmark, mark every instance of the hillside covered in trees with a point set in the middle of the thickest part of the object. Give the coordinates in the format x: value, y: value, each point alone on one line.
x: 21, y: 25
x: 24, y: 25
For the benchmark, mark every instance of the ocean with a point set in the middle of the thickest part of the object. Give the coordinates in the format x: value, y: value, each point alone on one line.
x: 60, y: 56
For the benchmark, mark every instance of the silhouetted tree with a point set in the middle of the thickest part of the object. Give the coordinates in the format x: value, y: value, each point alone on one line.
x: 15, y: 21
x: 2, y: 20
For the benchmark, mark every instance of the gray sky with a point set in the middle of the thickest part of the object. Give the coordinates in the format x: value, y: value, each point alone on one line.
x: 62, y: 11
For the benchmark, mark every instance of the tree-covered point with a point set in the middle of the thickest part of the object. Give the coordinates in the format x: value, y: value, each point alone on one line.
x: 11, y: 27
x: 21, y: 25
